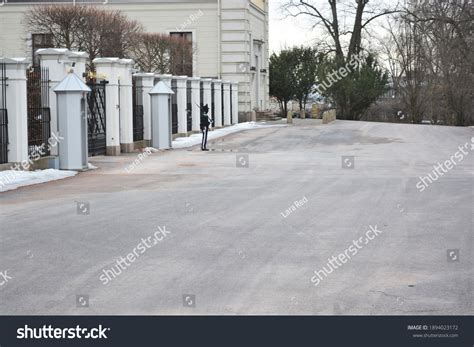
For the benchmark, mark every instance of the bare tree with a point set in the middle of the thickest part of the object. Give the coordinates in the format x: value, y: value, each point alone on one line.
x: 97, y: 31
x: 161, y: 53
x: 62, y: 22
x: 430, y: 47
x: 327, y: 15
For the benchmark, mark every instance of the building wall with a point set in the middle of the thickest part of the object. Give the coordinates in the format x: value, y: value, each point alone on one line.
x: 224, y: 33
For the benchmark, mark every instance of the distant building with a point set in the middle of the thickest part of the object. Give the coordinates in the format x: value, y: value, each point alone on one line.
x: 230, y: 37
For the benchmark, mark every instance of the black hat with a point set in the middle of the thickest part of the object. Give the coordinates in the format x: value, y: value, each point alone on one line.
x: 205, y: 108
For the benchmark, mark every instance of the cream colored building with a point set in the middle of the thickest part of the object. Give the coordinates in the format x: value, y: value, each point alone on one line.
x: 230, y: 37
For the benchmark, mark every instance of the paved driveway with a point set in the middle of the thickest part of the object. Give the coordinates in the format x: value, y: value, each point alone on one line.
x: 248, y: 240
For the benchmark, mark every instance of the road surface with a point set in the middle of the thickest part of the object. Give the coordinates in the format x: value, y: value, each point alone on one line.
x: 247, y: 225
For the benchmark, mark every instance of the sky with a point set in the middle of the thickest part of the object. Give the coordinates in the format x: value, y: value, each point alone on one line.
x: 290, y: 31
x: 287, y: 31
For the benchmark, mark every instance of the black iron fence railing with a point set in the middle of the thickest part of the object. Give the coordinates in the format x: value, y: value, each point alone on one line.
x: 189, y: 106
x: 96, y: 125
x: 38, y: 112
x: 174, y: 108
x: 137, y: 99
x: 3, y: 115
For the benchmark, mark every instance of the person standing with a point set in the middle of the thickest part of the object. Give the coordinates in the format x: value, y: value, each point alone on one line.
x: 205, y: 122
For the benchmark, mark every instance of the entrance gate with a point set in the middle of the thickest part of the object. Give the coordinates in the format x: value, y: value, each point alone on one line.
x: 97, y: 136
x: 39, y: 116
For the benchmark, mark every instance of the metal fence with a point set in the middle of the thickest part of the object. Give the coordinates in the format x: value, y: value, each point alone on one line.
x: 189, y: 106
x: 39, y: 116
x: 3, y: 115
x: 213, y: 108
x: 137, y: 98
x: 96, y: 129
x: 222, y: 104
x: 174, y: 107
x: 231, y: 106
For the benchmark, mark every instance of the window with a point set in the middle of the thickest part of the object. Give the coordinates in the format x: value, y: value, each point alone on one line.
x: 182, y: 54
x: 40, y: 41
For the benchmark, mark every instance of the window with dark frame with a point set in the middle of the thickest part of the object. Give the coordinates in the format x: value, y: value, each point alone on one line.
x: 184, y: 65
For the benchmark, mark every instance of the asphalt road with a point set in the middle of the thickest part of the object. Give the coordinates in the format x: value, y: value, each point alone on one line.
x: 233, y: 242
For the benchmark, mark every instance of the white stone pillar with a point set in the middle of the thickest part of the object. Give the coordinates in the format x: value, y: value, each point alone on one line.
x: 126, y: 106
x: 227, y: 115
x: 235, y: 102
x: 206, y: 93
x: 58, y: 63
x: 217, y: 103
x: 79, y: 60
x: 182, y: 104
x: 146, y: 82
x: 195, y: 102
x: 109, y: 69
x: 16, y: 108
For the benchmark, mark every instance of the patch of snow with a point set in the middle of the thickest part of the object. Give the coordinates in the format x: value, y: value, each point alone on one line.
x: 195, y: 139
x: 12, y: 179
x: 91, y: 167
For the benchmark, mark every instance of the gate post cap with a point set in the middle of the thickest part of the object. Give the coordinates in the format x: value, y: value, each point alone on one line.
x: 78, y: 56
x: 71, y: 83
x: 125, y: 61
x: 160, y: 88
x: 53, y: 51
x: 106, y: 60
x: 5, y: 60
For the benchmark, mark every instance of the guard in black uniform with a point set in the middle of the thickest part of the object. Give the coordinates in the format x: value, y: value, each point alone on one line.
x: 205, y: 122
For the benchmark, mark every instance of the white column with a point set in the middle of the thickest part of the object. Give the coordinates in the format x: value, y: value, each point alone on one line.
x: 235, y: 102
x: 146, y: 85
x: 16, y: 109
x: 217, y: 103
x: 109, y: 69
x: 227, y: 115
x: 206, y: 93
x: 126, y: 106
x: 182, y: 104
x: 79, y: 60
x: 195, y: 102
x: 58, y: 63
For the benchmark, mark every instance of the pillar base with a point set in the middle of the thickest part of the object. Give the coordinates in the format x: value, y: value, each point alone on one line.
x: 49, y: 162
x: 175, y: 136
x: 112, y: 150
x: 139, y: 144
x: 127, y: 147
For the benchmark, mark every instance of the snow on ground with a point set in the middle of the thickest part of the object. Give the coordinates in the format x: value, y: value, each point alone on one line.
x: 12, y: 179
x: 195, y: 139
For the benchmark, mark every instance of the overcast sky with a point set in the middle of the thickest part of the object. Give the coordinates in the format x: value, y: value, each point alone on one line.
x: 290, y: 31
x: 287, y: 31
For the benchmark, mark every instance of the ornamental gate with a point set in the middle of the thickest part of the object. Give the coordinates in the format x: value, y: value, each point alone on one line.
x: 97, y: 136
x: 39, y: 116
x: 3, y: 115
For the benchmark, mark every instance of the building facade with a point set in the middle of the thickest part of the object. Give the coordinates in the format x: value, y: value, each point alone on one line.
x: 230, y: 37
